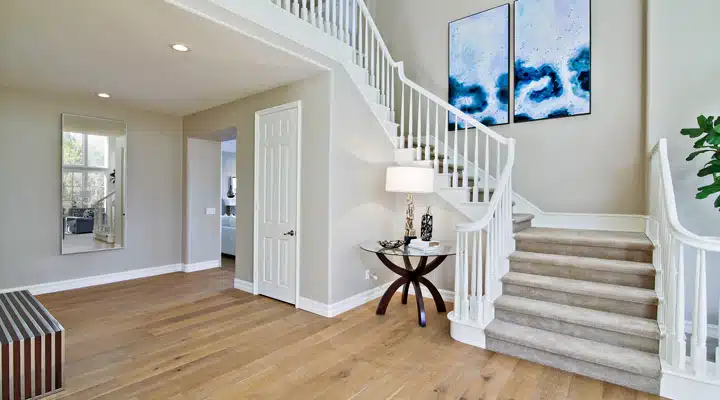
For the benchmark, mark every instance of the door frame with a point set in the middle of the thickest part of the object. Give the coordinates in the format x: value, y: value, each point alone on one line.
x: 256, y: 196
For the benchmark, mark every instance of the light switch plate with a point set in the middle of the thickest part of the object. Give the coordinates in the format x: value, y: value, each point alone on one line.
x: 209, y: 211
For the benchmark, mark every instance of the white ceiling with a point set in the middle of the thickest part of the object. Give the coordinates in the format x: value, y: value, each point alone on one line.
x: 122, y: 47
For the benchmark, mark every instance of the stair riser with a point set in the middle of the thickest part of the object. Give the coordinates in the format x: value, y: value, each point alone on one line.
x: 607, y: 253
x: 521, y: 226
x: 584, y: 274
x: 579, y: 300
x: 612, y: 375
x: 581, y: 331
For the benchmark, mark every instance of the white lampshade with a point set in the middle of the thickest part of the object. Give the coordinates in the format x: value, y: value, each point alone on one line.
x: 410, y: 180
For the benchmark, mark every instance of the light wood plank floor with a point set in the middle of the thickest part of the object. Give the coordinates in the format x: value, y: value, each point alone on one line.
x: 191, y: 336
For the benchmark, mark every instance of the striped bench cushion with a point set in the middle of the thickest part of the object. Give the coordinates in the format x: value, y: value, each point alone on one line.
x: 32, y: 348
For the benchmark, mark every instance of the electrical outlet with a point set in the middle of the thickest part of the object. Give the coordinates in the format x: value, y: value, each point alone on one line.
x: 370, y: 275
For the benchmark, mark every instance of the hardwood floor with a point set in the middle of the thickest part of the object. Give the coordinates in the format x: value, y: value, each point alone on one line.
x: 191, y: 336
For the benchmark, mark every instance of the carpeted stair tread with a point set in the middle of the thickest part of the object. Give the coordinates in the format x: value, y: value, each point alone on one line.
x: 619, y: 240
x: 584, y: 288
x: 581, y: 316
x: 633, y: 361
x: 518, y: 218
x: 597, y: 264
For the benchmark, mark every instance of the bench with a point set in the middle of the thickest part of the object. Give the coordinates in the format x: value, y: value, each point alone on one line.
x: 32, y: 348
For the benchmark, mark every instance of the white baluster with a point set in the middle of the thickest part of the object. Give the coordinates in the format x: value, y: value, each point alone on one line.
x: 373, y: 69
x: 376, y: 45
x: 326, y: 18
x: 342, y: 33
x: 312, y: 19
x: 456, y: 144
x: 392, y: 87
x: 458, y: 273
x: 473, y: 279
x: 383, y: 85
x: 466, y: 263
x: 476, y: 172
x: 286, y: 5
x: 481, y: 272
x: 466, y: 155
x: 436, y: 162
x: 419, y: 128
x: 353, y: 26
x: 497, y: 162
x: 486, y: 181
x: 333, y: 17
x: 366, y: 60
x: 445, y: 153
x: 402, y: 114
x: 680, y: 344
x: 699, y: 338
x: 410, y: 121
x: 427, y: 130
x: 304, y: 10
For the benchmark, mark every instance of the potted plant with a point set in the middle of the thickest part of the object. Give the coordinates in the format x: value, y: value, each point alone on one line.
x: 708, y: 141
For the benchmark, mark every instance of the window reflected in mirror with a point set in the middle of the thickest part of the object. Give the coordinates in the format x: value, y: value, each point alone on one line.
x: 93, y: 184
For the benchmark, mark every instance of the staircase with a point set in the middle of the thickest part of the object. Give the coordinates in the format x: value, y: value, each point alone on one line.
x: 584, y: 302
x: 609, y: 305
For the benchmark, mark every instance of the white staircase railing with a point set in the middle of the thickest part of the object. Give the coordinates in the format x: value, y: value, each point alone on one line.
x: 104, y: 218
x: 423, y: 120
x: 675, y: 249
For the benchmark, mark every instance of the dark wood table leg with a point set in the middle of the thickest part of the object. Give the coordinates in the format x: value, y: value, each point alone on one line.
x: 385, y: 300
x: 420, y: 304
x: 414, y: 277
x: 439, y: 302
x: 406, y: 289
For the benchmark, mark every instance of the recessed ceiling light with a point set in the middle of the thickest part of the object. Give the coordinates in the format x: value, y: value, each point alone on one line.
x: 104, y: 95
x: 180, y: 47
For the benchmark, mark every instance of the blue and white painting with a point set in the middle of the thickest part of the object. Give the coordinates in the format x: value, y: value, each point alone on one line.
x: 479, y: 67
x: 552, y: 59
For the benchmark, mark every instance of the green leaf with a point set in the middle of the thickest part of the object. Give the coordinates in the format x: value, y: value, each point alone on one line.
x: 717, y: 202
x: 713, y: 138
x: 700, y: 142
x: 717, y: 126
x: 705, y: 191
x: 694, y: 132
x: 702, y: 121
x: 713, y: 169
x: 697, y: 153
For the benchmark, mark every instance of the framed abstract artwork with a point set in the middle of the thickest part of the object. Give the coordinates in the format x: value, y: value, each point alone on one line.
x: 479, y: 66
x: 552, y: 59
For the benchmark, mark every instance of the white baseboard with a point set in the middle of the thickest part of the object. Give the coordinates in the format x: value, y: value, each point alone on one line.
x: 314, y: 307
x: 201, y: 266
x: 358, y: 300
x: 447, y: 295
x: 603, y: 222
x: 70, y: 284
x: 712, y: 330
x: 245, y: 286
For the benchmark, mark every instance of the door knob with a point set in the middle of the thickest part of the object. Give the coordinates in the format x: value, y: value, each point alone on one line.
x: 291, y: 233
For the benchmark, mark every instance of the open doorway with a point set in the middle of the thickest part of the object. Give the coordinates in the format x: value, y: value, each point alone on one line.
x: 228, y: 193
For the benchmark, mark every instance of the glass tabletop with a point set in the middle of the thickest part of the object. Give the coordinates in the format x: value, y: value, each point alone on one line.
x: 444, y: 249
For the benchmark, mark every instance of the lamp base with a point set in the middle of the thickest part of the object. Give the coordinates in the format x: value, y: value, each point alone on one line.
x: 408, y: 239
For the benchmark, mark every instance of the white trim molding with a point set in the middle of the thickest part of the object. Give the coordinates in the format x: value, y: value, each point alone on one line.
x: 201, y: 266
x: 447, y: 295
x: 245, y: 286
x: 314, y: 307
x: 70, y: 284
x: 602, y: 222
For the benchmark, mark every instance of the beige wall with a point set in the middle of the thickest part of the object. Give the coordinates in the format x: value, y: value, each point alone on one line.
x: 683, y: 69
x: 203, y: 191
x: 360, y: 208
x: 30, y: 208
x: 589, y: 164
x: 314, y: 232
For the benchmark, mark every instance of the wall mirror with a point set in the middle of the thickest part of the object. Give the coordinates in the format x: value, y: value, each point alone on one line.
x: 93, y: 180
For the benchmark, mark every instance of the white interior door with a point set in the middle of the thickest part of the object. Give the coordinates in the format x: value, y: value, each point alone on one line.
x: 276, y: 162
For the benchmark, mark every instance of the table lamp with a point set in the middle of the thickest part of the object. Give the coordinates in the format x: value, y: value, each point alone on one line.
x: 409, y: 180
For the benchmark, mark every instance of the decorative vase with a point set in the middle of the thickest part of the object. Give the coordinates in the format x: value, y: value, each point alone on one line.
x: 426, y: 226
